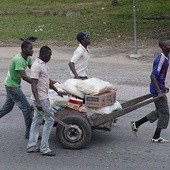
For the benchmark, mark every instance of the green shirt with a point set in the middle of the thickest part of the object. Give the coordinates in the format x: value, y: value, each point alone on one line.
x: 18, y: 63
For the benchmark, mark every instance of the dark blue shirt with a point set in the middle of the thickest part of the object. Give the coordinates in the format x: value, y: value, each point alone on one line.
x: 160, y: 67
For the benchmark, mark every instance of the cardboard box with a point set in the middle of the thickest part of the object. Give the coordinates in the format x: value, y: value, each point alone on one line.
x: 74, y: 104
x: 101, y: 100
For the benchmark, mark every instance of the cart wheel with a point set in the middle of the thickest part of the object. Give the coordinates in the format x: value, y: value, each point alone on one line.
x: 77, y: 136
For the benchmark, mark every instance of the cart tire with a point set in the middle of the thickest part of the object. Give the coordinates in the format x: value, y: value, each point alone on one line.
x: 77, y: 136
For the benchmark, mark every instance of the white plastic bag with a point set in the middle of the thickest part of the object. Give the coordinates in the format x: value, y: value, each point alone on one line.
x: 70, y: 87
x: 56, y: 100
x: 94, y: 86
x: 105, y: 110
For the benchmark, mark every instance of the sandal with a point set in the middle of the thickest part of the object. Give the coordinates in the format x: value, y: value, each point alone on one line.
x: 134, y: 128
x: 159, y: 140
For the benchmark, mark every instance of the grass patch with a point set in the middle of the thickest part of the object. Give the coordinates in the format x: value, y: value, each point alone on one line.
x: 58, y: 21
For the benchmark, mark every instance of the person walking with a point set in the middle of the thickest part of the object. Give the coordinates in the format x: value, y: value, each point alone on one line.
x: 158, y: 88
x: 79, y: 61
x: 15, y: 95
x: 40, y: 84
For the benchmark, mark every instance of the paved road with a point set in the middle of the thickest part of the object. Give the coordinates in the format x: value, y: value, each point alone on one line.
x: 117, y: 149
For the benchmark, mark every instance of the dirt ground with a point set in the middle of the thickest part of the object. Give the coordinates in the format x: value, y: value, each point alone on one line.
x: 145, y: 48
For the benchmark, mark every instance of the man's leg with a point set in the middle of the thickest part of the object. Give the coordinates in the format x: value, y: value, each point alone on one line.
x: 20, y: 100
x: 49, y: 121
x: 34, y: 131
x: 8, y: 106
x: 163, y: 120
x: 163, y: 109
x: 151, y: 117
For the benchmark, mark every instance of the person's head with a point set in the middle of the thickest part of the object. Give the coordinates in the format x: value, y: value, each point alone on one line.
x: 83, y: 38
x: 27, y: 48
x: 45, y: 53
x: 164, y: 44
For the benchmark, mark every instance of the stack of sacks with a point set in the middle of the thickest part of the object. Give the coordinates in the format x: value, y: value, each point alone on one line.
x: 94, y: 86
x: 91, y: 86
x: 70, y: 86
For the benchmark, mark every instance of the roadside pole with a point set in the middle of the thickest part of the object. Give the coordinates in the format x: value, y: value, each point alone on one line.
x: 134, y: 21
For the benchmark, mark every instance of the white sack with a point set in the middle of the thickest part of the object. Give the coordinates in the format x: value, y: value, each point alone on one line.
x: 104, y: 110
x: 70, y: 87
x: 56, y: 100
x: 94, y: 86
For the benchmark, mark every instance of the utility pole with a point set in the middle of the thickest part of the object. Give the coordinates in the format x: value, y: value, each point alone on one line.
x: 134, y: 21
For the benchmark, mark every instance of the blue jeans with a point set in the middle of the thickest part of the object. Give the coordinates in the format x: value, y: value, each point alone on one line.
x: 35, y: 126
x: 16, y: 96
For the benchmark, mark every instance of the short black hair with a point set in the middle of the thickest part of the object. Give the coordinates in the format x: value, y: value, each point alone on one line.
x: 163, y: 42
x: 25, y: 44
x: 44, y: 50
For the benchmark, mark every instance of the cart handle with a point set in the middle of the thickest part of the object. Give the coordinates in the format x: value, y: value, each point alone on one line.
x: 128, y: 106
x: 136, y: 100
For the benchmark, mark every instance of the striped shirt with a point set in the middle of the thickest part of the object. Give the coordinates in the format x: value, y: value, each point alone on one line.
x: 39, y: 70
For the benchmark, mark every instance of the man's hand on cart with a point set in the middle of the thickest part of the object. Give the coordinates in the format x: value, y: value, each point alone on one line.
x: 61, y: 93
x: 160, y: 94
x: 39, y: 106
x: 167, y: 90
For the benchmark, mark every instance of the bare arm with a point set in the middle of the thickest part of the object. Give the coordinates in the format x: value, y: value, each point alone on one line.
x: 35, y: 93
x: 24, y: 76
x: 60, y: 93
x: 52, y: 82
x: 154, y: 82
x: 29, y: 66
x: 72, y: 68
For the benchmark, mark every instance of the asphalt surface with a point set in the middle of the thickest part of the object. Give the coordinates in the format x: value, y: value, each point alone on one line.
x: 118, y: 149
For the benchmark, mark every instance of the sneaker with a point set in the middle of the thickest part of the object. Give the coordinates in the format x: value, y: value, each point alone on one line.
x: 51, y: 153
x: 134, y: 128
x: 159, y: 140
x: 34, y: 150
